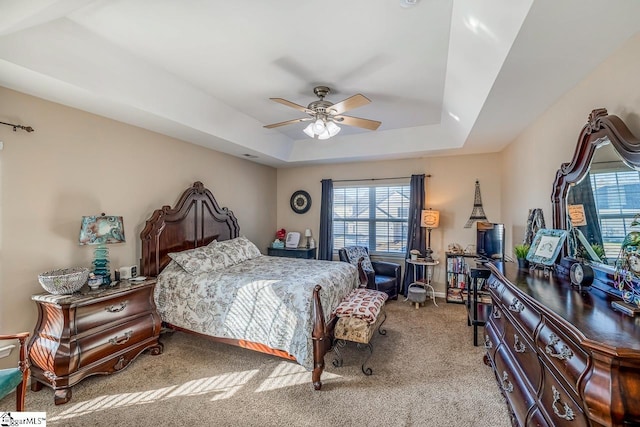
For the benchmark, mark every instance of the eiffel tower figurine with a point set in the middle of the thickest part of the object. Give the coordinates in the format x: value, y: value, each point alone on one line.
x: 478, y: 212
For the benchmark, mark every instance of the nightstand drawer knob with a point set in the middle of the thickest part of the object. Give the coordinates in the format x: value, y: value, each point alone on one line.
x: 121, y: 340
x: 117, y: 308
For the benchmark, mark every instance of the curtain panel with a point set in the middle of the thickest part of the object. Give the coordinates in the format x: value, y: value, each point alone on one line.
x: 416, y: 237
x: 325, y: 241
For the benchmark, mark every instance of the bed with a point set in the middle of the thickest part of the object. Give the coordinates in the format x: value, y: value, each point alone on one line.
x: 278, y: 306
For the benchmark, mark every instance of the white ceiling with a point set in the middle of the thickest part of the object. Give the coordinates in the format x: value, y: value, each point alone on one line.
x: 444, y: 76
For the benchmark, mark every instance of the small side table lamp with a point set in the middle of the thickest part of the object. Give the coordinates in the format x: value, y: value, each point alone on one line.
x: 100, y: 231
x: 307, y: 234
x: 430, y: 220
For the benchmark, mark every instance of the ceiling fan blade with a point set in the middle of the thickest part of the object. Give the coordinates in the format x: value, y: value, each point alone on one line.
x: 356, y: 121
x: 290, y: 104
x: 350, y: 103
x: 288, y: 122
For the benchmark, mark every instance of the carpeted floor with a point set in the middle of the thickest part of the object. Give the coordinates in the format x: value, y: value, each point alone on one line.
x: 426, y: 373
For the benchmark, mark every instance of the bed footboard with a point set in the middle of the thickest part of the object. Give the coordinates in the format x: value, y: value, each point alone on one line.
x: 322, y: 337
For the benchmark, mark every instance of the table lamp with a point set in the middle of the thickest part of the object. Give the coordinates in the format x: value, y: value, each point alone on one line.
x: 307, y: 234
x: 430, y: 220
x: 101, y: 231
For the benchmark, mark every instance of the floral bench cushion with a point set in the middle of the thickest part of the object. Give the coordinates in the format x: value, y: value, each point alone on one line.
x: 361, y: 303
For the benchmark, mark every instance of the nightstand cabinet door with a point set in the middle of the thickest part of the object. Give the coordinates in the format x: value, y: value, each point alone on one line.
x: 91, y: 332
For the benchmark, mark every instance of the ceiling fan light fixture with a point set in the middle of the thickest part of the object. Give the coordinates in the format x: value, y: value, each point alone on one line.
x: 324, y: 135
x: 319, y: 126
x: 332, y: 128
x: 309, y: 130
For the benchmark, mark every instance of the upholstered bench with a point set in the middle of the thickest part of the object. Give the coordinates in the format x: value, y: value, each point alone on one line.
x: 359, y: 315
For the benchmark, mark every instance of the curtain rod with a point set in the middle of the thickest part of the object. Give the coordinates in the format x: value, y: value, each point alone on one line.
x: 375, y: 179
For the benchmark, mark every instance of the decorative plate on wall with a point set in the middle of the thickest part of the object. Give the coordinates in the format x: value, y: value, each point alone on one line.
x: 300, y: 201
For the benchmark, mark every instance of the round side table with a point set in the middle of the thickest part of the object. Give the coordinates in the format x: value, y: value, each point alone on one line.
x: 413, y: 291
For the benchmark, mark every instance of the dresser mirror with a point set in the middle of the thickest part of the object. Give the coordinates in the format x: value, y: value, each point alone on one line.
x: 598, y: 193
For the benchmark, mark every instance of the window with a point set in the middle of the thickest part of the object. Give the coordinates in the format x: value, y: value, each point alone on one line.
x: 617, y: 197
x: 375, y: 217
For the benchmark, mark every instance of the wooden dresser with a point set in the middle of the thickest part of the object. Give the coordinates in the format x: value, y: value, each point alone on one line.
x: 91, y: 332
x: 561, y: 356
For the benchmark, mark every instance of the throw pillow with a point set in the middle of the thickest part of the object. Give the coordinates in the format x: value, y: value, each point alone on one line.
x: 354, y: 253
x: 199, y: 260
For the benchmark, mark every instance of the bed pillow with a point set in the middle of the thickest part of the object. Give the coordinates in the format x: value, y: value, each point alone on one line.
x: 199, y: 260
x: 236, y: 250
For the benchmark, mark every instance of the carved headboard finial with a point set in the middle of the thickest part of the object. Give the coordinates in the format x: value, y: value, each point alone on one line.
x: 593, y: 122
x: 199, y: 186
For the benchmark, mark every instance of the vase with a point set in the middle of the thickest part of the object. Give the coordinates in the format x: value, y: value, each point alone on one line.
x: 523, y: 263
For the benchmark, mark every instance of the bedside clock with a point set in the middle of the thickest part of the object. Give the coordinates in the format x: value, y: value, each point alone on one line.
x: 581, y: 274
x: 300, y: 201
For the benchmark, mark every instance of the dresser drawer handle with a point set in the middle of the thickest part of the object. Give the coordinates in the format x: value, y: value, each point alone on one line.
x: 518, y: 345
x: 488, y: 345
x: 496, y: 313
x: 117, y: 308
x: 121, y: 340
x: 516, y: 306
x: 568, y: 412
x: 565, y: 352
x: 506, y: 384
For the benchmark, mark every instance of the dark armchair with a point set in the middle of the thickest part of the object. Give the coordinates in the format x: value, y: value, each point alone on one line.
x: 16, y: 378
x: 382, y: 276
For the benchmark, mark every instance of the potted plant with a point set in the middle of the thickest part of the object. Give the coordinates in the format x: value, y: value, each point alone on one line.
x: 521, y: 252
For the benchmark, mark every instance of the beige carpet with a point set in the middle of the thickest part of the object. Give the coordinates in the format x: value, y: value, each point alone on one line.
x: 426, y: 373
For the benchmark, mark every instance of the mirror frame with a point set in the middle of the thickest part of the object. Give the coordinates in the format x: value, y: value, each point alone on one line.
x: 600, y: 128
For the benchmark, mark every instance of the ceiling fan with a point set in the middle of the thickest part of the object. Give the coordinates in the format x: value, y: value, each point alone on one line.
x: 324, y: 114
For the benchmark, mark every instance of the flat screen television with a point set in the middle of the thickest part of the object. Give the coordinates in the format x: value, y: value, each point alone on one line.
x: 490, y: 240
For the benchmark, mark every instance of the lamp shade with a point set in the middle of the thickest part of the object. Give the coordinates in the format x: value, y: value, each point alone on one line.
x: 430, y: 219
x: 100, y: 230
x: 307, y: 232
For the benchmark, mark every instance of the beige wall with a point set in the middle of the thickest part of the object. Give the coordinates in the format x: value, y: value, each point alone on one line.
x: 531, y: 161
x: 76, y: 164
x: 450, y: 190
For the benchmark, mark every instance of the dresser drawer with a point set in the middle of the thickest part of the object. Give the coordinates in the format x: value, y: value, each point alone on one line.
x: 491, y: 340
x: 559, y: 351
x: 536, y: 419
x: 497, y: 318
x: 109, y: 310
x: 513, y: 386
x: 496, y: 287
x: 520, y: 310
x: 525, y: 355
x: 558, y: 404
x: 112, y: 340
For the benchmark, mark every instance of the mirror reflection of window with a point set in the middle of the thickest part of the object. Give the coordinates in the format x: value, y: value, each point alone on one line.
x: 610, y: 194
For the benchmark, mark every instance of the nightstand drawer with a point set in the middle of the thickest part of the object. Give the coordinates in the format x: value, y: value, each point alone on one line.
x: 112, y: 340
x: 109, y: 310
x: 292, y: 253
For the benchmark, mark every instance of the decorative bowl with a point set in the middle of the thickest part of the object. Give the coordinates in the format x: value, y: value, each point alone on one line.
x: 64, y: 281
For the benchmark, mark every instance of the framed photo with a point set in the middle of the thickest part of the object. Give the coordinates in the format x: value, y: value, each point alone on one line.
x: 546, y: 246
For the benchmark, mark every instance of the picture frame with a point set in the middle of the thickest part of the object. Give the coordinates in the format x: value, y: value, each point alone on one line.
x: 546, y: 246
x: 293, y: 238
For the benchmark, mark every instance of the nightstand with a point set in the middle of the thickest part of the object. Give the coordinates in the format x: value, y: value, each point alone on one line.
x: 90, y: 333
x: 292, y: 253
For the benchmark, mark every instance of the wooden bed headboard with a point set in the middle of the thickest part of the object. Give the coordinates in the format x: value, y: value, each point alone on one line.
x: 196, y: 220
